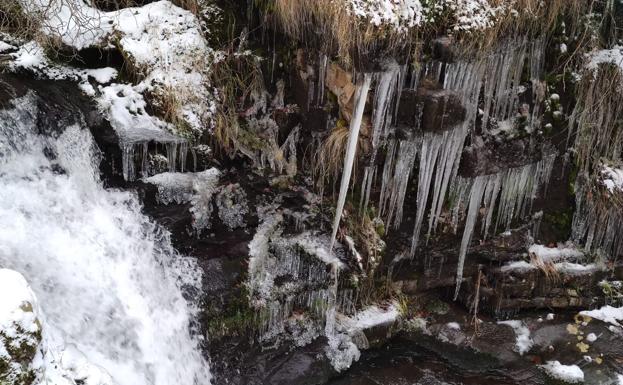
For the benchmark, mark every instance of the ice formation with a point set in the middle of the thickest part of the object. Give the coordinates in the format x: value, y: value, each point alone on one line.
x: 361, y: 96
x: 385, y: 97
x: 511, y: 191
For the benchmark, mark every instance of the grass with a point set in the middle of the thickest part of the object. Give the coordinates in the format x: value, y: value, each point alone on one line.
x: 236, y: 77
x: 349, y: 37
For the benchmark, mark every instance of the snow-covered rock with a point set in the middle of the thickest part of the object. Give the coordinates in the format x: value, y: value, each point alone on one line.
x: 523, y: 343
x: 20, y: 329
x: 162, y: 43
x: 571, y: 374
x: 608, y: 314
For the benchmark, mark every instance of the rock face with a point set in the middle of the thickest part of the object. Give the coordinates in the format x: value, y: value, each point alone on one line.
x: 460, y: 170
x: 433, y: 110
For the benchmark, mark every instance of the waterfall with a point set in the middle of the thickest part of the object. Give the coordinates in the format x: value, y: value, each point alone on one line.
x: 107, y: 279
x: 355, y: 125
x: 513, y: 190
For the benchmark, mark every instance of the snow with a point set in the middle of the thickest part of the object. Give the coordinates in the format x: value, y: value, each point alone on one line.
x: 5, y: 46
x: 576, y: 268
x: 567, y: 373
x: 550, y: 316
x: 397, y: 14
x: 523, y: 342
x: 403, y: 15
x: 126, y: 109
x: 371, y: 317
x: 553, y: 254
x: 591, y: 337
x: 102, y: 75
x: 608, y: 314
x: 605, y: 56
x: 473, y: 15
x: 519, y: 266
x: 453, y: 325
x: 612, y: 178
x: 15, y: 294
x: 162, y: 42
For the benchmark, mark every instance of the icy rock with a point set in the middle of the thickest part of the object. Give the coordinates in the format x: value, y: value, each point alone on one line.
x: 232, y: 205
x: 20, y: 329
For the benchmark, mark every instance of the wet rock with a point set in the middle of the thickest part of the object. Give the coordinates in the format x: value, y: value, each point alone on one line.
x: 491, y: 157
x: 443, y: 49
x: 440, y: 109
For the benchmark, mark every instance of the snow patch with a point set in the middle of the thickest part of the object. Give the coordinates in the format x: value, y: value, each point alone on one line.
x: 567, y: 373
x: 612, y: 178
x: 553, y: 254
x: 608, y: 314
x: 605, y: 56
x: 523, y: 342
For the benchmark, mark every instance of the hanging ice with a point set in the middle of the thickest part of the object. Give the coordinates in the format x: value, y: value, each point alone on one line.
x: 511, y: 191
x: 384, y: 97
x: 355, y: 125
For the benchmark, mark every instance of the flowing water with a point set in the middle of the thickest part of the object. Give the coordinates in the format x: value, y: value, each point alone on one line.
x: 107, y: 278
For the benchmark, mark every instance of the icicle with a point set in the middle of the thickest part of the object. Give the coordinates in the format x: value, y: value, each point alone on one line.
x: 429, y: 154
x: 323, y: 62
x: 447, y: 169
x: 355, y: 125
x: 394, y: 188
x: 384, y: 94
x: 515, y: 188
x: 472, y: 214
x: 127, y: 160
x: 144, y: 160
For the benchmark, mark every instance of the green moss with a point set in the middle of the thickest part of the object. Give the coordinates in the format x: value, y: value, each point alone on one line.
x: 236, y: 319
x: 560, y: 223
x: 437, y: 307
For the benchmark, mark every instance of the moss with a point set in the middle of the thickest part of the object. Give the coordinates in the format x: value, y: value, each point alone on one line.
x: 437, y: 307
x: 560, y: 222
x: 237, y: 318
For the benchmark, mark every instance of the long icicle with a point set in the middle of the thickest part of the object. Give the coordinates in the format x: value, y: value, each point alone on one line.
x: 472, y: 214
x: 355, y: 125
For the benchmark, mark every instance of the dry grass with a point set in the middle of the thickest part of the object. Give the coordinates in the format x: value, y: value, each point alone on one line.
x: 338, y: 32
x: 348, y: 37
x: 236, y: 77
x: 597, y: 117
x: 552, y: 276
x: 328, y: 159
x: 534, y: 18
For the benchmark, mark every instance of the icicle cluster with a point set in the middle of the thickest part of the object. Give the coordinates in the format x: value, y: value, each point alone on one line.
x: 309, y: 269
x: 596, y: 123
x: 136, y: 152
x: 511, y: 192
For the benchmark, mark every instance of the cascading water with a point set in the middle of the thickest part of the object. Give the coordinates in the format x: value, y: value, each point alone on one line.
x: 107, y: 279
